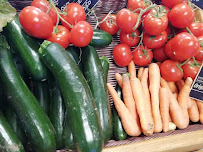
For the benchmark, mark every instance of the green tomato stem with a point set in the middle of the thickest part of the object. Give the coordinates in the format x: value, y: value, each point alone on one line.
x: 184, y: 62
x: 188, y: 30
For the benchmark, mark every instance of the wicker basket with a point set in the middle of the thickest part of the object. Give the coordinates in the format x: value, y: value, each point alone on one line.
x: 188, y: 139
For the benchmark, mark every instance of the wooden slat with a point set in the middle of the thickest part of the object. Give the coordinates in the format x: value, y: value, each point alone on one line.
x: 199, y: 15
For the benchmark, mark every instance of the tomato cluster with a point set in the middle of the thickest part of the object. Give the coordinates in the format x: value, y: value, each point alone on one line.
x: 41, y: 20
x: 166, y: 32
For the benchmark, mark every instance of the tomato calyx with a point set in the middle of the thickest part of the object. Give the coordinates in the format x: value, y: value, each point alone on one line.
x: 160, y: 12
x: 134, y: 35
x: 181, y: 64
x: 145, y: 51
x: 105, y: 19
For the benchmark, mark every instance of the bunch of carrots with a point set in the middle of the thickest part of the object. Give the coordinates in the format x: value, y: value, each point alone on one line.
x: 153, y: 105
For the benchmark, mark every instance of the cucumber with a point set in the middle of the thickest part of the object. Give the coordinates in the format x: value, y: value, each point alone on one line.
x: 100, y: 39
x: 9, y: 142
x: 56, y: 111
x: 94, y: 75
x: 26, y: 48
x: 41, y: 92
x: 118, y: 131
x: 83, y: 116
x: 38, y: 127
x: 105, y: 65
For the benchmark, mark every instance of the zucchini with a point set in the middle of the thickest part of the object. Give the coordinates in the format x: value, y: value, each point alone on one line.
x: 26, y: 48
x: 100, y: 39
x: 56, y: 111
x: 94, y: 75
x: 105, y: 65
x: 38, y: 127
x: 118, y: 131
x: 9, y: 142
x: 83, y: 116
x: 41, y: 92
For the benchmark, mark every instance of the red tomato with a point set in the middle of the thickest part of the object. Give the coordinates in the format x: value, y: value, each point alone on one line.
x: 130, y: 39
x: 61, y: 36
x: 44, y: 6
x: 155, y: 24
x: 171, y: 3
x: 170, y: 71
x: 142, y: 56
x: 190, y: 69
x: 169, y: 30
x: 199, y: 55
x: 73, y: 14
x: 110, y: 24
x: 81, y: 34
x: 154, y: 42
x: 159, y: 54
x: 35, y: 22
x: 122, y: 55
x: 126, y: 20
x: 196, y: 29
x: 181, y: 15
x: 135, y: 4
x: 182, y: 47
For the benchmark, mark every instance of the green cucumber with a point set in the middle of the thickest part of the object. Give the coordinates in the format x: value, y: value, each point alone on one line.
x: 26, y: 48
x: 9, y: 142
x: 56, y: 111
x: 41, y: 92
x: 100, y: 39
x: 105, y: 65
x: 38, y: 127
x: 118, y: 131
x: 83, y: 116
x: 94, y: 75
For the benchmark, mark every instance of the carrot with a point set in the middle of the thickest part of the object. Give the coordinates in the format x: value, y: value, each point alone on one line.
x: 140, y: 72
x: 154, y: 85
x: 180, y: 84
x: 164, y: 108
x: 138, y: 94
x: 129, y: 123
x: 200, y: 107
x: 171, y: 126
x: 132, y: 70
x: 173, y: 87
x: 193, y: 110
x: 119, y: 79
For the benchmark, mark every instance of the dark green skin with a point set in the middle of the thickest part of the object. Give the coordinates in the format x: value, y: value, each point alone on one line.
x: 83, y: 116
x: 38, y: 127
x: 9, y: 142
x: 105, y: 65
x: 26, y: 48
x: 56, y: 111
x: 67, y: 134
x: 94, y: 75
x: 118, y: 131
x: 100, y: 39
x: 41, y: 92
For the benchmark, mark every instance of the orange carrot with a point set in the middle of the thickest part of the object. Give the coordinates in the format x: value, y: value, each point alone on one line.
x: 154, y: 85
x: 164, y: 108
x: 173, y: 87
x: 193, y: 110
x: 138, y: 94
x: 200, y: 107
x: 128, y: 122
x: 140, y: 72
x: 180, y: 84
x: 119, y: 79
x: 131, y: 69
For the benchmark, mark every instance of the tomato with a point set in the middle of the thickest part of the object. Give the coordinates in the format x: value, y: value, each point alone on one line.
x: 142, y: 56
x: 169, y: 30
x: 126, y: 20
x: 81, y: 34
x: 135, y: 4
x: 61, y: 36
x: 182, y: 47
x: 181, y: 15
x: 131, y: 39
x: 154, y: 42
x: 122, y: 55
x: 196, y: 29
x: 110, y: 24
x: 155, y: 23
x: 35, y: 22
x: 171, y: 3
x: 73, y: 13
x: 159, y: 54
x: 44, y: 6
x: 191, y: 68
x: 199, y: 55
x: 170, y: 71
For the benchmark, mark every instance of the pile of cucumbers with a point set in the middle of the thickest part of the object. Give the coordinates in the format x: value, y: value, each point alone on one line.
x: 54, y: 98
